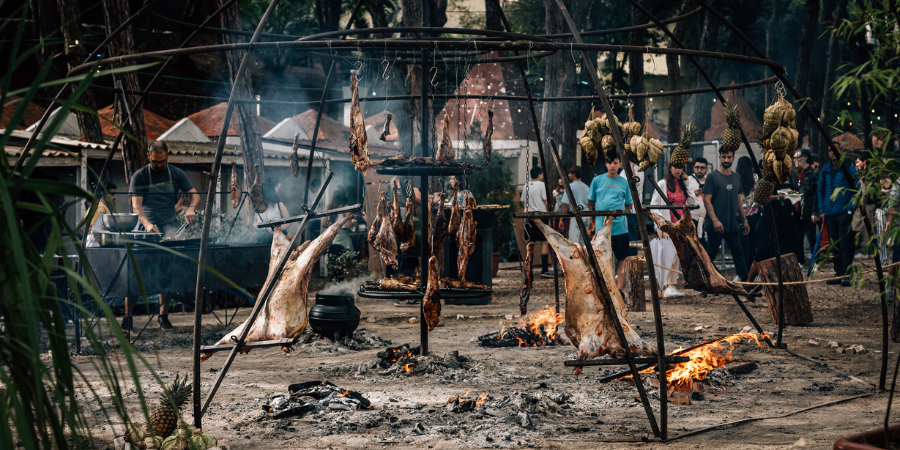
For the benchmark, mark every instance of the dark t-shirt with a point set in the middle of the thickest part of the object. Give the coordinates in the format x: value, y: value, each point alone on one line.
x: 159, y: 192
x: 724, y: 190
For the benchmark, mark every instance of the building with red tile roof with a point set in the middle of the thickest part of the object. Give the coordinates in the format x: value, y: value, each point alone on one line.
x: 210, y: 120
x: 154, y: 124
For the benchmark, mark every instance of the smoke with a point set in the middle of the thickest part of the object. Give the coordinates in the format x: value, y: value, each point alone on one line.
x: 346, y: 287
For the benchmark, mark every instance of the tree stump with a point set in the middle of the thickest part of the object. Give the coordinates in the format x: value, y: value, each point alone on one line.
x: 634, y: 284
x: 797, y: 310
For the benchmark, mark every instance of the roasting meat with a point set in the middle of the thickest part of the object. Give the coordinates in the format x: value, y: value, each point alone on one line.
x: 445, y: 151
x: 466, y: 237
x: 437, y: 229
x: 455, y: 215
x: 387, y: 127
x: 396, y: 219
x: 589, y: 325
x: 487, y: 138
x: 235, y: 187
x: 385, y: 241
x: 431, y: 303
x: 359, y: 142
x: 376, y: 222
x: 409, y: 230
x: 461, y: 284
x: 256, y: 193
x: 284, y: 314
x: 398, y: 284
x: 699, y: 272
x: 525, y: 293
x: 295, y: 160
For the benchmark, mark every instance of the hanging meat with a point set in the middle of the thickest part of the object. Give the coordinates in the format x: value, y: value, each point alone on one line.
x: 387, y: 127
x: 445, y: 151
x: 359, y: 142
x: 437, y: 229
x: 256, y: 193
x: 699, y: 272
x: 284, y: 315
x: 295, y: 159
x: 235, y: 187
x: 431, y: 303
x: 466, y: 237
x: 396, y: 219
x: 589, y: 325
x: 525, y: 293
x: 385, y: 240
x: 455, y: 215
x: 376, y: 222
x: 488, y: 146
x: 408, y: 240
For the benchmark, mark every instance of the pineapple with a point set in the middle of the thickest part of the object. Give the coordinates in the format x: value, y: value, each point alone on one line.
x: 164, y: 418
x: 681, y: 154
x: 763, y: 192
x: 732, y: 139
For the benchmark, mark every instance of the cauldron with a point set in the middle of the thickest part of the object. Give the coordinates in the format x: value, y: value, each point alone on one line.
x: 334, y: 314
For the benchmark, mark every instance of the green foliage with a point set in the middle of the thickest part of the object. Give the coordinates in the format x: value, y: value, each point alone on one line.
x: 346, y: 266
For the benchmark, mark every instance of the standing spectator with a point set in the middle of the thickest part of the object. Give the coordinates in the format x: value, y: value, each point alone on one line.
x: 726, y: 219
x: 701, y: 168
x: 806, y: 209
x: 631, y: 222
x: 536, y: 200
x: 679, y: 191
x: 610, y: 192
x: 751, y: 207
x: 872, y: 200
x: 463, y: 193
x: 560, y: 224
x: 835, y: 200
x: 816, y: 166
x: 580, y: 191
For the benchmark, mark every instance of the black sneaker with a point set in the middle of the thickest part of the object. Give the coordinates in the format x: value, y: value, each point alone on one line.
x: 127, y: 323
x: 163, y: 321
x: 833, y: 282
x: 845, y: 282
x: 547, y: 274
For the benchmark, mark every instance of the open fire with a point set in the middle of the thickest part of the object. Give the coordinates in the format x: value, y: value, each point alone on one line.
x: 464, y: 403
x: 704, y: 359
x: 534, y: 330
x: 403, y: 355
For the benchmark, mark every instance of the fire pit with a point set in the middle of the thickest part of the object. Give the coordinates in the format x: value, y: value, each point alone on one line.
x: 536, y: 329
x: 406, y: 360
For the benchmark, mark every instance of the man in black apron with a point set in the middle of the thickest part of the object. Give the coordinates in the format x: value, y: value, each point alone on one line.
x: 154, y: 193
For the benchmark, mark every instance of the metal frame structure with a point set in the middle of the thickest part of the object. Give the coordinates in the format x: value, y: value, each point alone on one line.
x: 419, y: 49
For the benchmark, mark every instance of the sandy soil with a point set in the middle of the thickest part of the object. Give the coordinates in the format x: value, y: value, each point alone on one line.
x: 546, y: 406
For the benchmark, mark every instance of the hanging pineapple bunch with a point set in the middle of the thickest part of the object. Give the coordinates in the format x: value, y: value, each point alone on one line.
x: 630, y: 129
x: 646, y: 149
x: 591, y: 139
x: 779, y: 139
x: 681, y: 154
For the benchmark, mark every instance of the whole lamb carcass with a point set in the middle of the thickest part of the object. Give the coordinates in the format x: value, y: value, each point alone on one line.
x: 284, y: 315
x: 699, y: 272
x: 589, y: 325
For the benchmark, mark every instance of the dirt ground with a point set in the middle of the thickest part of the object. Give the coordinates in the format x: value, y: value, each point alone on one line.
x: 537, y: 402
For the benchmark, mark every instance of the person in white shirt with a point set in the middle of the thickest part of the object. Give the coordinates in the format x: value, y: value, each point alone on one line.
x: 536, y: 200
x: 679, y: 191
x: 701, y: 168
x: 580, y: 191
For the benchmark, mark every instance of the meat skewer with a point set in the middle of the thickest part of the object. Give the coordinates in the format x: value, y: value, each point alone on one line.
x: 699, y: 272
x: 488, y: 146
x: 525, y: 293
x: 409, y: 229
x: 387, y: 127
x: 589, y: 325
x: 235, y: 186
x: 295, y: 159
x: 431, y: 303
x: 445, y: 151
x: 359, y: 142
x: 284, y: 316
x: 466, y: 238
x: 385, y: 240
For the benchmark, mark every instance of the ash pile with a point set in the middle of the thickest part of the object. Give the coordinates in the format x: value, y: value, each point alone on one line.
x: 312, y: 397
x: 407, y: 361
x: 357, y: 341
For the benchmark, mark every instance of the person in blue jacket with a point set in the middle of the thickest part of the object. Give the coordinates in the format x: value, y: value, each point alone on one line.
x: 836, y: 209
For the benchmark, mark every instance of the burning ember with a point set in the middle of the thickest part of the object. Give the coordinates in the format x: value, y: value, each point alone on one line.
x: 536, y: 329
x: 465, y: 404
x: 407, y: 360
x: 704, y: 359
x: 303, y: 398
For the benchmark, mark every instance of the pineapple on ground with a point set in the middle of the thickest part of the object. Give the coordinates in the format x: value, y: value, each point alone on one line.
x: 164, y: 418
x: 681, y: 154
x: 731, y: 141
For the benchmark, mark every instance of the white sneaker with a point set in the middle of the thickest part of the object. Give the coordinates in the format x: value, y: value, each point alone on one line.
x: 671, y: 292
x: 736, y: 278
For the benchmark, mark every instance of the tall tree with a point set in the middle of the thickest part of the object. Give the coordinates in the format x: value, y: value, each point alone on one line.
x: 673, y: 69
x: 133, y: 151
x: 804, y: 59
x: 492, y: 12
x: 817, y: 70
x: 778, y: 7
x: 328, y: 14
x: 832, y: 57
x: 248, y: 121
x: 70, y: 19
x: 703, y: 103
x: 378, y: 12
x: 46, y: 28
x: 636, y: 62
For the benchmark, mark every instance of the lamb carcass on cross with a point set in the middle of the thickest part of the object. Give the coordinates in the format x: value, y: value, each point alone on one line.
x: 589, y: 325
x: 284, y: 315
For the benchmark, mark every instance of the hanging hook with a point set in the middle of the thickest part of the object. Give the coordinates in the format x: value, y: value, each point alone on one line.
x: 409, y: 191
x: 359, y: 66
x: 433, y: 76
x: 387, y: 69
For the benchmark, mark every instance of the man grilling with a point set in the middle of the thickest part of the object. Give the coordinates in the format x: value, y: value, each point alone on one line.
x: 154, y: 193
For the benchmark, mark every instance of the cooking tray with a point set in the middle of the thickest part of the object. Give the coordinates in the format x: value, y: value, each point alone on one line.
x: 186, y: 242
x: 114, y: 239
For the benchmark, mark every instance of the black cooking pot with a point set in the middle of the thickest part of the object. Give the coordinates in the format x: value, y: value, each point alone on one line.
x: 334, y: 313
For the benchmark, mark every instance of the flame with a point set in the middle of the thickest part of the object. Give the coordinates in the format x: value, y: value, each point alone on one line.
x: 408, y: 368
x: 543, y: 322
x: 345, y: 393
x: 704, y: 359
x: 481, y: 400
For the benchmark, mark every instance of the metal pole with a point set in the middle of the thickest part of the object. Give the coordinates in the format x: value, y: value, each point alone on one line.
x: 204, y: 239
x: 648, y: 256
x: 426, y: 255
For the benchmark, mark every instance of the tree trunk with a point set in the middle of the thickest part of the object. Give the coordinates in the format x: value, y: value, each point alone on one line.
x: 407, y: 114
x: 832, y: 57
x: 492, y: 12
x: 797, y: 309
x: 70, y: 17
x: 703, y: 103
x: 328, y: 14
x: 777, y: 10
x: 378, y: 13
x: 134, y: 151
x: 674, y: 75
x: 634, y: 284
x: 804, y: 59
x: 248, y: 121
x: 858, y: 55
x: 45, y: 22
x: 817, y: 73
x: 437, y: 13
x: 636, y: 63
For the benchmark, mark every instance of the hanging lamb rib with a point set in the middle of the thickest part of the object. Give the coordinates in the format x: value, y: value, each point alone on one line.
x: 387, y: 127
x: 525, y: 293
x: 437, y: 229
x: 396, y: 219
x: 445, y: 151
x: 256, y: 193
x: 431, y: 303
x: 295, y: 159
x: 376, y: 222
x: 235, y: 186
x: 488, y: 146
x: 359, y: 142
x: 385, y: 241
x: 466, y: 237
x: 455, y: 215
x: 409, y: 230
x: 699, y: 272
x: 589, y: 325
x: 284, y: 315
